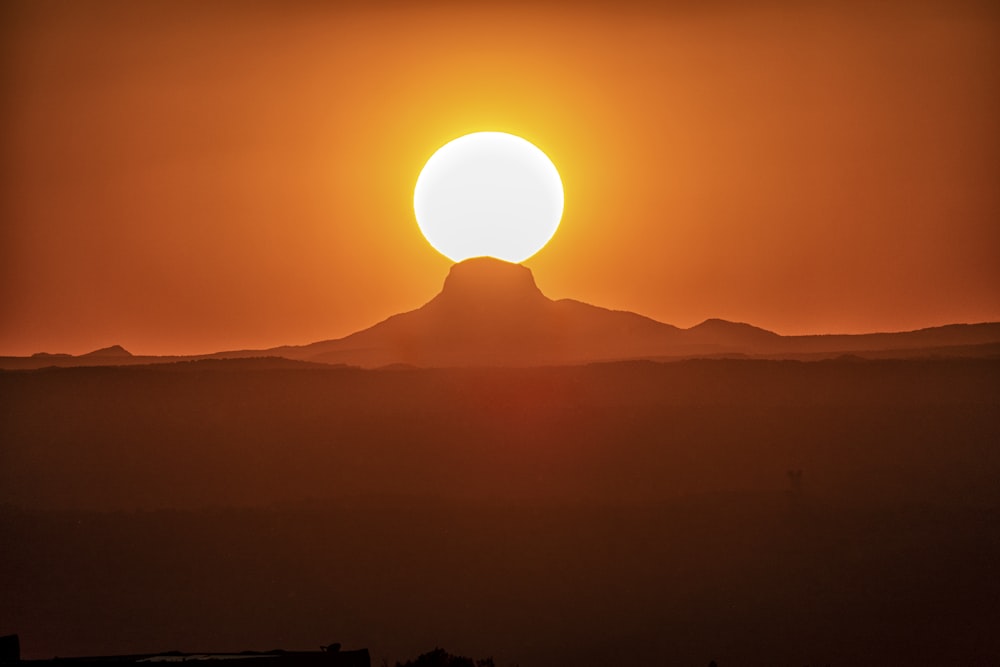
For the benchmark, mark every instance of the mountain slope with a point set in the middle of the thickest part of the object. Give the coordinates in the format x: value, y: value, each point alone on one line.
x: 491, y: 313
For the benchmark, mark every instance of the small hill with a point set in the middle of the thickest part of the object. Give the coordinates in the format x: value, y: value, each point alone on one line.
x: 733, y: 335
x: 113, y: 351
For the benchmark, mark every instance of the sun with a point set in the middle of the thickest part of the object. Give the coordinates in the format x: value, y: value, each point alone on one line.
x: 488, y: 194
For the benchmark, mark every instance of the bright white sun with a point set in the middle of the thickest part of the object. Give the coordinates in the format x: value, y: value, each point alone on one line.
x: 488, y: 194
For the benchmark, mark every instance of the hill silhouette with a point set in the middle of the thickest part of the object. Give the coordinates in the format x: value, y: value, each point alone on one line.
x: 491, y: 313
x: 112, y: 351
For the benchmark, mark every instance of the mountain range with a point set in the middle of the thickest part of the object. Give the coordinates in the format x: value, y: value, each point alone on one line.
x: 491, y: 313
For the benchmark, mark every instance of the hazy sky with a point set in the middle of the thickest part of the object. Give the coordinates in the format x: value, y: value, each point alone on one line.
x: 195, y: 176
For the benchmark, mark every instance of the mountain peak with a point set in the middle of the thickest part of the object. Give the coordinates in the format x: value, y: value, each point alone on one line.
x: 485, y: 279
x: 716, y: 325
x: 113, y: 351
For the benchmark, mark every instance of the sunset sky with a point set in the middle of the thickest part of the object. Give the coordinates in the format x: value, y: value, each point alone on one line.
x: 184, y: 177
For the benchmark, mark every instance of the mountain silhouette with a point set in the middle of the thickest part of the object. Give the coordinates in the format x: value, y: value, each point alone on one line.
x: 113, y: 351
x: 491, y: 313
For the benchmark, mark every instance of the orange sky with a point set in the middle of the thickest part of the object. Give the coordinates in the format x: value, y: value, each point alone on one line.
x: 182, y: 177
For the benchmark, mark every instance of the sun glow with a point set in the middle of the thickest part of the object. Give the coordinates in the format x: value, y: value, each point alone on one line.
x: 488, y: 194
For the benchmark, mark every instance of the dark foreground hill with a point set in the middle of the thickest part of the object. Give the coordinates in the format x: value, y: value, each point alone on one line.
x: 628, y: 513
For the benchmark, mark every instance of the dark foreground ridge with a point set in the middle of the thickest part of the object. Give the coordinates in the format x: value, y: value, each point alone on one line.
x: 329, y: 656
x: 491, y: 313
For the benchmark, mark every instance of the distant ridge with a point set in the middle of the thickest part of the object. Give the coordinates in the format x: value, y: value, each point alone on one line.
x: 113, y: 351
x: 491, y: 313
x: 722, y: 332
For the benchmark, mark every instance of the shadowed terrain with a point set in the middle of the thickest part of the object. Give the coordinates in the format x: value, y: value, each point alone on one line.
x: 626, y: 513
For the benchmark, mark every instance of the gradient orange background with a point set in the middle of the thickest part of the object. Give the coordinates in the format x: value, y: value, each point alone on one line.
x: 183, y: 177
